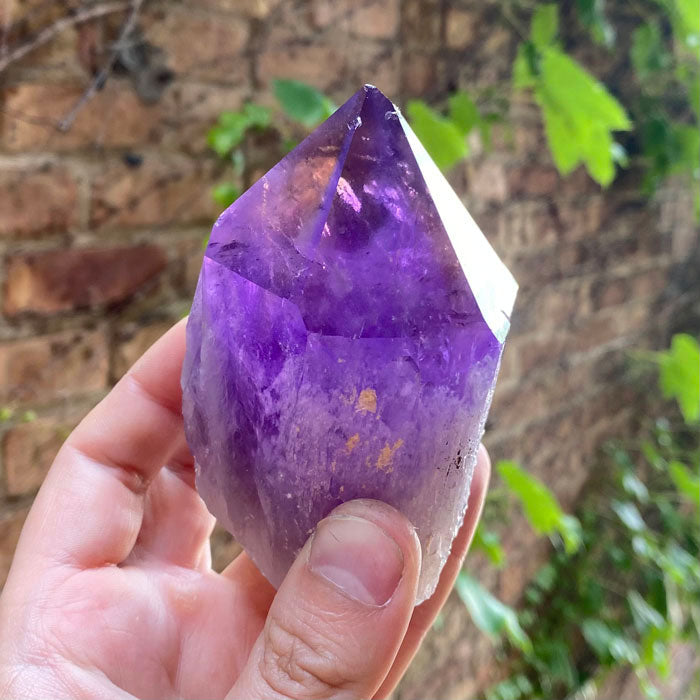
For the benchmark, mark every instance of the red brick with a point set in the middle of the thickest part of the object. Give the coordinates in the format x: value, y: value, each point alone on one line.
x: 318, y: 65
x: 133, y: 342
x: 61, y: 280
x: 53, y: 366
x: 376, y: 20
x: 258, y: 9
x: 10, y: 529
x: 533, y: 180
x: 418, y: 73
x: 487, y: 180
x: 160, y: 192
x: 199, y: 45
x: 28, y: 451
x: 115, y: 117
x: 460, y: 28
x: 421, y: 23
x: 37, y: 200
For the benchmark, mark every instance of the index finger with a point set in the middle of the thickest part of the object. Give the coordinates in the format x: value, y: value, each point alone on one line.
x: 89, y: 510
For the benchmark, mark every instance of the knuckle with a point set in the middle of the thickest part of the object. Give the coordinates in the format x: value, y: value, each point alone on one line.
x: 298, y: 662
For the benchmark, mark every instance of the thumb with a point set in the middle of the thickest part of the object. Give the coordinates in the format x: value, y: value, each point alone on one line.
x: 339, y: 617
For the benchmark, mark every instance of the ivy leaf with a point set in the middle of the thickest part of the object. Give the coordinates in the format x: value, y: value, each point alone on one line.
x: 687, y: 483
x: 228, y: 133
x: 257, y: 115
x: 225, y: 194
x: 489, y: 614
x: 679, y: 375
x: 463, y: 112
x: 489, y: 543
x: 643, y: 614
x: 303, y: 103
x: 545, y: 25
x: 629, y: 514
x: 540, y: 506
x: 579, y: 115
x: 441, y: 137
x: 607, y: 643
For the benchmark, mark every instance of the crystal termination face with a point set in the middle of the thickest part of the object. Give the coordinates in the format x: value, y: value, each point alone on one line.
x: 344, y: 342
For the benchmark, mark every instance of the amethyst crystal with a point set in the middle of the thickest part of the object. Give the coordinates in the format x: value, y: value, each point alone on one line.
x: 344, y: 342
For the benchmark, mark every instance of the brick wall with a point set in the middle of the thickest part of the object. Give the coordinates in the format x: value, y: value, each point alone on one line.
x: 101, y: 229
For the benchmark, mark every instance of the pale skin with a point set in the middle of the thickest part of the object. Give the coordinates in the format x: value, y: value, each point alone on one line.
x: 111, y: 594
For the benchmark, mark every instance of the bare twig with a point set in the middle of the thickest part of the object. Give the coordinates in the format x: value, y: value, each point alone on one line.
x: 60, y: 25
x: 99, y: 80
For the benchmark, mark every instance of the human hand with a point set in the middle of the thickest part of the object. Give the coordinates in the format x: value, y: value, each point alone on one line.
x: 111, y: 594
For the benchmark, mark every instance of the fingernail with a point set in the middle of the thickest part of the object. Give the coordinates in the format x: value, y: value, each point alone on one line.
x: 357, y: 557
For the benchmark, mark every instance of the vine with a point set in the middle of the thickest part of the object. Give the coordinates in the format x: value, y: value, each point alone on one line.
x: 584, y: 122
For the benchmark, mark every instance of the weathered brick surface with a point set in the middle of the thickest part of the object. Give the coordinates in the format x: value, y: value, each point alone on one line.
x: 61, y: 280
x: 101, y: 232
x: 37, y: 200
x: 131, y: 342
x: 10, y: 527
x: 114, y: 118
x: 28, y: 450
x: 53, y: 366
x: 157, y: 192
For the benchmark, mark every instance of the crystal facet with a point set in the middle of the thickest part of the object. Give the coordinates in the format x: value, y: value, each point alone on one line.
x: 344, y: 342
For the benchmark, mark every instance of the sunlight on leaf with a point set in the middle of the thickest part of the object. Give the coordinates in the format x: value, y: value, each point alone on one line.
x: 540, y: 506
x: 679, y: 375
x: 687, y: 483
x: 440, y: 136
x: 545, y: 25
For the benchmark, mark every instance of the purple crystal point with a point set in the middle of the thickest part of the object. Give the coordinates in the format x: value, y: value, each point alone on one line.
x: 344, y: 342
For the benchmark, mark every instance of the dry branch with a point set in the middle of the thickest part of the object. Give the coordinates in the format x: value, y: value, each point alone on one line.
x: 60, y: 25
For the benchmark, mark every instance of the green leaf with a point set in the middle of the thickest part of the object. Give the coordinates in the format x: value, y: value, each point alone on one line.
x: 687, y: 483
x: 301, y: 102
x: 679, y: 375
x: 647, y: 52
x: 524, y: 73
x: 629, y: 514
x: 225, y: 194
x: 223, y: 139
x: 258, y: 115
x: 540, y: 506
x: 643, y: 614
x: 634, y: 486
x: 489, y: 543
x: 592, y: 14
x: 607, y: 643
x: 489, y: 614
x: 463, y: 112
x: 545, y: 24
x: 579, y: 115
x: 440, y: 137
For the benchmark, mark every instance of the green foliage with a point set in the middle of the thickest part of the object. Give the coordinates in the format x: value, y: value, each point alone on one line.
x: 679, y: 374
x: 632, y: 589
x: 489, y: 542
x: 303, y: 103
x: 594, y: 18
x: 489, y: 614
x: 540, y: 506
x: 580, y: 115
x: 441, y: 137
